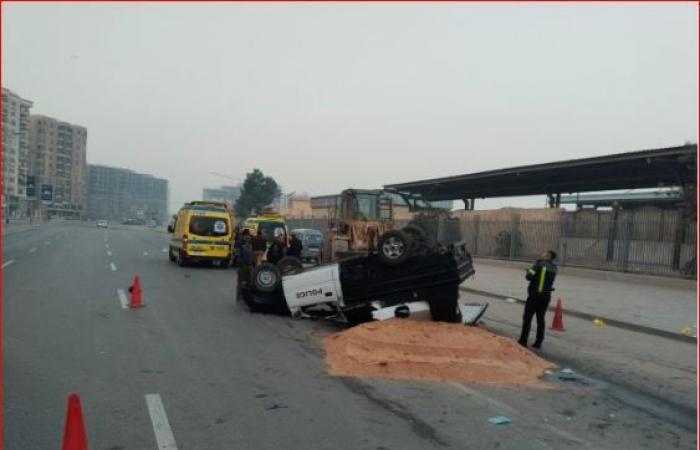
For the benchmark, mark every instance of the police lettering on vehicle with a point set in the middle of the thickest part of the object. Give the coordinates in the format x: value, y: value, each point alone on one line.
x: 310, y: 293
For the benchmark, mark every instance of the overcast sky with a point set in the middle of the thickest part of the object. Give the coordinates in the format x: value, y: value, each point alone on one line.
x: 328, y: 96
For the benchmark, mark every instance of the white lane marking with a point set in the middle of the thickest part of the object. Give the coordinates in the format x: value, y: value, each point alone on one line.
x: 109, y: 253
x: 8, y: 263
x: 165, y: 250
x: 47, y: 243
x: 161, y: 426
x: 107, y: 245
x: 122, y: 298
x: 113, y: 267
x: 32, y: 250
x: 145, y: 253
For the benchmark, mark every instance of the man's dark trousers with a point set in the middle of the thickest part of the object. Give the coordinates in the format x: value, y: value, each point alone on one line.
x: 536, y: 304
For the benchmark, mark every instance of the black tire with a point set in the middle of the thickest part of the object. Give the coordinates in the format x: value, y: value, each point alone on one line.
x: 182, y: 260
x: 359, y: 315
x: 394, y: 247
x: 290, y: 265
x: 414, y: 231
x: 171, y: 257
x: 265, y: 279
x: 267, y: 303
x: 444, y: 304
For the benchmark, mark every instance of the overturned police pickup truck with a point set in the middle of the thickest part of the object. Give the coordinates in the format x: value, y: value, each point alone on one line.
x: 406, y: 274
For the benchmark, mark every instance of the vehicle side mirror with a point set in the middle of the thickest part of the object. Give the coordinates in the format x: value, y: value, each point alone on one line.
x: 171, y: 229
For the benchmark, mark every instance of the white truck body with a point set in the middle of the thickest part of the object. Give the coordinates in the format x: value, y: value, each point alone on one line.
x: 312, y: 287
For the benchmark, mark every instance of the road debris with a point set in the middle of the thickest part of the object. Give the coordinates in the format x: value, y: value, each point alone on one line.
x: 499, y: 420
x: 566, y: 374
x: 412, y: 350
x: 687, y: 331
x: 274, y: 406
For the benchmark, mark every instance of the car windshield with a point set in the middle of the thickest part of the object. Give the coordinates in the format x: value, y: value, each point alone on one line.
x: 271, y: 230
x: 313, y: 239
x: 208, y: 226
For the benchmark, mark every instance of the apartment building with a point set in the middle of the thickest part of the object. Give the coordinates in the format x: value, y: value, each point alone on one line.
x: 57, y: 166
x: 117, y: 194
x: 15, y: 144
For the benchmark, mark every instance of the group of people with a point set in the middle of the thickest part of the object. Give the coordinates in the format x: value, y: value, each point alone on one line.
x: 252, y: 249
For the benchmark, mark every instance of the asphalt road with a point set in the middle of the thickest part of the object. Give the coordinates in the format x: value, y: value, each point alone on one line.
x: 195, y: 370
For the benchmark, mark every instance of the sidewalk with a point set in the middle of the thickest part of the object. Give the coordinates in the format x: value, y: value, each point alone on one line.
x: 663, y: 303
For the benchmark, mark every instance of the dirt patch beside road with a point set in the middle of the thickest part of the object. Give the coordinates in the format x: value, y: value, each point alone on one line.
x: 411, y: 350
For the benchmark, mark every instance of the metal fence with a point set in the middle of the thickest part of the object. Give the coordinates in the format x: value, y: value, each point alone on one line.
x: 653, y: 241
x: 659, y: 244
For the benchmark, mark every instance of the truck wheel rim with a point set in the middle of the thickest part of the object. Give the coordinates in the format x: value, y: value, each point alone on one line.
x: 393, y: 248
x: 266, y: 278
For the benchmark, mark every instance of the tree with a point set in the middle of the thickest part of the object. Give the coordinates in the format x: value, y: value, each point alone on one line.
x: 258, y: 191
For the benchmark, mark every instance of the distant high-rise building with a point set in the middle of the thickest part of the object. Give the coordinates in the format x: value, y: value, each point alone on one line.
x: 57, y: 166
x: 119, y: 194
x: 225, y: 194
x: 15, y: 164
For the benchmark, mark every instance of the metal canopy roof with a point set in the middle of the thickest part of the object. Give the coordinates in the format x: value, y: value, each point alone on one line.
x: 673, y: 166
x: 657, y: 198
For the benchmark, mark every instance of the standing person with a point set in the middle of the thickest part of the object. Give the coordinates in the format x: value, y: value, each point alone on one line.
x: 539, y: 293
x: 276, y: 251
x: 244, y: 244
x: 295, y: 247
x: 259, y: 247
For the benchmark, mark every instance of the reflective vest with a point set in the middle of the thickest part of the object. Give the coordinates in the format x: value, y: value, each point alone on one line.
x: 541, y: 276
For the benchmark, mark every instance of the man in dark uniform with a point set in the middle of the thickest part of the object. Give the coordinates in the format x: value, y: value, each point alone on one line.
x: 295, y: 247
x: 259, y: 245
x: 244, y: 249
x: 539, y: 293
x: 277, y: 250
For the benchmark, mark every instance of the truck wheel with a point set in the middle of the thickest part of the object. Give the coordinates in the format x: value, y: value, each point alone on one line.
x: 267, y: 303
x: 421, y: 243
x: 360, y: 315
x: 171, y: 257
x: 290, y: 265
x: 182, y: 259
x: 266, y: 278
x: 414, y: 231
x: 444, y: 304
x: 394, y: 247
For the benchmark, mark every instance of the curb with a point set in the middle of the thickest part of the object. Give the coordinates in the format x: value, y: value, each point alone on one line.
x: 612, y: 322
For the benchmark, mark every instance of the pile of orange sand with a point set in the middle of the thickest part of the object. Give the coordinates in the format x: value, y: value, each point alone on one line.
x: 411, y: 350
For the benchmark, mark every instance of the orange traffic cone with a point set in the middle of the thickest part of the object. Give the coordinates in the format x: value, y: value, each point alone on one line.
x: 135, y: 289
x: 558, y: 322
x: 74, y: 436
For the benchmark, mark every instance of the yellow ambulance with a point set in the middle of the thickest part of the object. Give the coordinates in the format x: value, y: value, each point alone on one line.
x: 202, y: 232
